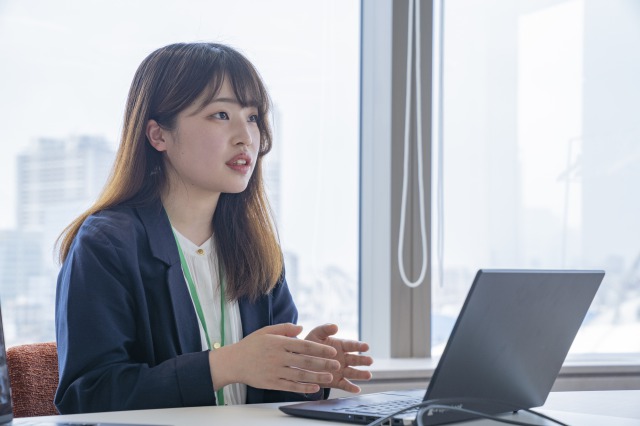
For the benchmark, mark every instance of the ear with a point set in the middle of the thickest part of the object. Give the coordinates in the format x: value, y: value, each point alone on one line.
x: 155, y: 135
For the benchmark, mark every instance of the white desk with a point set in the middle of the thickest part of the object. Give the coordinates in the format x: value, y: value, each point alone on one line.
x: 601, y: 408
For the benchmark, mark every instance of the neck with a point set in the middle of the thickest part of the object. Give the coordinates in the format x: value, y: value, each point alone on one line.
x: 191, y: 214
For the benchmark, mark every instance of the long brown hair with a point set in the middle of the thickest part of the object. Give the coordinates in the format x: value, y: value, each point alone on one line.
x: 168, y: 81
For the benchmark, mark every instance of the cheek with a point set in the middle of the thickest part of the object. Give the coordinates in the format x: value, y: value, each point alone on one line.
x: 255, y: 148
x: 256, y: 137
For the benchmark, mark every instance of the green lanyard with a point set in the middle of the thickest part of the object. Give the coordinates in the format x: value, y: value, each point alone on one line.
x: 198, y: 306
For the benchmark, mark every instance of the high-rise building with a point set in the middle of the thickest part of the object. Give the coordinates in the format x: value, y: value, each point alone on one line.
x: 54, y: 173
x: 20, y: 261
x: 57, y: 180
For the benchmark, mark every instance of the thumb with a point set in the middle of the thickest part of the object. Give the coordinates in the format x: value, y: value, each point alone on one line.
x: 287, y: 329
x: 323, y: 331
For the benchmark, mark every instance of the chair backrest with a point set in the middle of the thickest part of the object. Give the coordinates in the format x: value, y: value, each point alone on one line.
x: 33, y: 373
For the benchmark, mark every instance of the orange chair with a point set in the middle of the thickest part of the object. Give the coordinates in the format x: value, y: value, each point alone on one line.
x: 33, y: 374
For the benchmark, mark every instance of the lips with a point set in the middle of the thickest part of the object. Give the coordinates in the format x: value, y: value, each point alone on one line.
x: 240, y: 163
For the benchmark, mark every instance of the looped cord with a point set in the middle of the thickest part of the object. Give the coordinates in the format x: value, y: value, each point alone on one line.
x: 407, y: 124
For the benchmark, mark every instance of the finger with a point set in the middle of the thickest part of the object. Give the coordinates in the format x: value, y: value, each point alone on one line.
x: 355, y: 374
x: 347, y: 386
x: 289, y: 386
x: 357, y: 360
x: 323, y: 331
x: 286, y: 329
x: 310, y: 363
x: 304, y: 376
x: 307, y: 347
x: 353, y: 345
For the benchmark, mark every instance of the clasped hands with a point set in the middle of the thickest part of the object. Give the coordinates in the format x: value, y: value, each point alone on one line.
x: 270, y: 358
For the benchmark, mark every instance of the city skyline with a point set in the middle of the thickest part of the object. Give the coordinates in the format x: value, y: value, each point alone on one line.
x: 59, y: 178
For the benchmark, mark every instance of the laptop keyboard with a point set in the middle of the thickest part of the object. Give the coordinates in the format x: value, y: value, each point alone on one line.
x: 382, y: 410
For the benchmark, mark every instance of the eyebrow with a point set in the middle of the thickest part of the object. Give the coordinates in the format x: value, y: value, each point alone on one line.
x: 232, y: 101
x: 225, y: 100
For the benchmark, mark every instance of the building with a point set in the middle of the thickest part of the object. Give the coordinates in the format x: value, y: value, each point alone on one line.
x: 60, y: 173
x: 57, y: 179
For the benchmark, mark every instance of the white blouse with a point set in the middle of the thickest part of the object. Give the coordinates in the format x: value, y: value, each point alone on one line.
x: 203, y: 266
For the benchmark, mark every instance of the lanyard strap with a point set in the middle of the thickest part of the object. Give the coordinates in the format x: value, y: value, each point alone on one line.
x: 196, y: 301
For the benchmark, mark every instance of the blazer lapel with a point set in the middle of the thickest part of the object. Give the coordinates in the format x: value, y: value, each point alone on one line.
x: 156, y: 223
x: 163, y: 247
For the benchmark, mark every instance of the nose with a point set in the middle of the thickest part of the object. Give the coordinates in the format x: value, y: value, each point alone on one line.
x: 243, y: 134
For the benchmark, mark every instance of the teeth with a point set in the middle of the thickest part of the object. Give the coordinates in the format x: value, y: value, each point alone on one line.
x: 241, y: 162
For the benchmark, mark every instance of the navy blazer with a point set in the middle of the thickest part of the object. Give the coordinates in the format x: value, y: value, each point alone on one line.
x: 126, y: 328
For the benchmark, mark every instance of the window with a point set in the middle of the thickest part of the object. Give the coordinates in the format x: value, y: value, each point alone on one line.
x: 541, y: 153
x: 531, y: 124
x: 538, y: 131
x: 78, y: 59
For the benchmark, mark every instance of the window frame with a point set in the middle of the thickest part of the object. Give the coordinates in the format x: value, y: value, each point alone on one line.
x: 387, y: 307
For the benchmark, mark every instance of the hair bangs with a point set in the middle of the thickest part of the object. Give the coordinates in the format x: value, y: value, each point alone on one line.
x: 249, y: 90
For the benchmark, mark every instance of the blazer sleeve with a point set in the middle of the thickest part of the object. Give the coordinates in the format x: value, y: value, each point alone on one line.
x: 106, y: 354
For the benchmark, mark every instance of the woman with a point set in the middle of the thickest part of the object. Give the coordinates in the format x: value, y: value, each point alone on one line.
x: 172, y: 290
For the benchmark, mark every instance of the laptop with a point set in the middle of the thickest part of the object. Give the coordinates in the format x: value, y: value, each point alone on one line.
x: 503, y: 355
x: 6, y: 410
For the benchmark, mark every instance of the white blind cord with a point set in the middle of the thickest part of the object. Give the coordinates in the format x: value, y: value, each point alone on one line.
x: 407, y: 123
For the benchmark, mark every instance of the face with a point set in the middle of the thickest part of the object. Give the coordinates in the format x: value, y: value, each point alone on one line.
x: 212, y: 149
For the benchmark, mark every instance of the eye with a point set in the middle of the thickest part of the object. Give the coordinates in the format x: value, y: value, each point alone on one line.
x: 221, y: 115
x: 253, y: 118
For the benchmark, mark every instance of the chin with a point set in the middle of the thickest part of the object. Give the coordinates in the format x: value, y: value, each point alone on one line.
x: 236, y: 189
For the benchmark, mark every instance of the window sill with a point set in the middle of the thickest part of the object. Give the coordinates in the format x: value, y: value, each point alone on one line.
x: 579, y: 372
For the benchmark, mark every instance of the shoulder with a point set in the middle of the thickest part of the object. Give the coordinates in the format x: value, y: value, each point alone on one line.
x: 119, y: 230
x: 133, y: 233
x: 104, y: 250
x: 113, y: 224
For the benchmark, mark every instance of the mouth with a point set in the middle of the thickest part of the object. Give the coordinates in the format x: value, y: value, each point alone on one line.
x: 240, y: 163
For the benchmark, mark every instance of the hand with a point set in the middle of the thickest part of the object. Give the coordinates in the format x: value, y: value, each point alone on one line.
x: 270, y: 358
x: 342, y: 378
